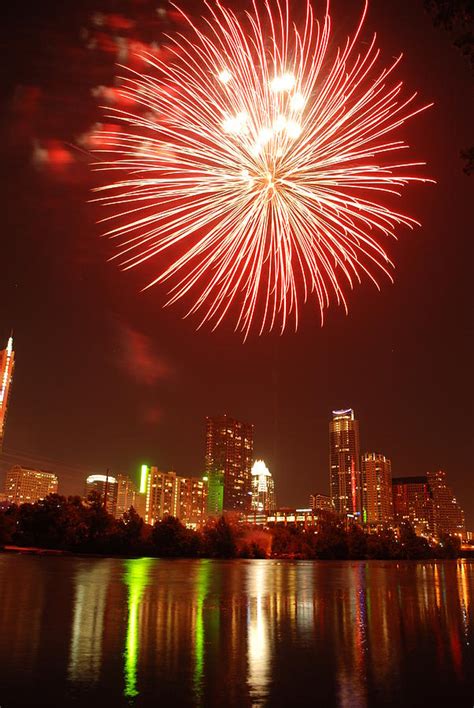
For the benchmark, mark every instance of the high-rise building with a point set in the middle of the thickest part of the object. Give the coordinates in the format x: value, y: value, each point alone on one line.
x: 448, y: 517
x: 413, y: 502
x: 377, y: 502
x: 215, y: 492
x: 126, y: 495
x: 192, y: 505
x: 7, y: 364
x: 24, y: 485
x: 320, y: 501
x: 107, y: 487
x: 162, y: 495
x: 229, y: 447
x: 344, y: 463
x: 263, y: 488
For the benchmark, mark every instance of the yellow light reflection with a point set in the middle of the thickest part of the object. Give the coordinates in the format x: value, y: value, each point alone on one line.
x: 258, y: 639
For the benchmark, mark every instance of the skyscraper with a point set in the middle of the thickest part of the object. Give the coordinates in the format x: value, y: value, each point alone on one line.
x: 192, y: 504
x: 106, y: 486
x: 413, y: 502
x: 126, y: 495
x: 24, y: 485
x: 448, y: 517
x: 344, y: 463
x: 7, y: 363
x: 162, y: 495
x: 263, y: 488
x: 229, y: 447
x: 377, y: 499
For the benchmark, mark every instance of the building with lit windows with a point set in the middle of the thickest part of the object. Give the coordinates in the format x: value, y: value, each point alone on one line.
x: 192, y: 507
x: 377, y: 501
x: 24, y: 485
x: 7, y: 364
x: 413, y: 502
x: 262, y: 487
x: 448, y: 517
x: 215, y: 492
x: 126, y: 495
x: 106, y: 486
x: 320, y: 501
x: 229, y: 447
x: 304, y: 518
x: 344, y: 463
x: 162, y: 495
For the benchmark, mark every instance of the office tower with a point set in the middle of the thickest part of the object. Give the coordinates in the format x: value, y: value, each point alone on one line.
x: 162, y: 495
x: 7, y: 364
x: 229, y: 447
x: 192, y: 509
x: 448, y: 517
x: 377, y: 499
x: 106, y: 487
x: 344, y: 463
x: 215, y: 492
x: 24, y: 485
x: 126, y: 495
x: 413, y: 502
x: 263, y: 488
x: 320, y: 501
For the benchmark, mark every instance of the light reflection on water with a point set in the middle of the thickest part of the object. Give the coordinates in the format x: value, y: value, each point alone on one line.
x: 243, y: 633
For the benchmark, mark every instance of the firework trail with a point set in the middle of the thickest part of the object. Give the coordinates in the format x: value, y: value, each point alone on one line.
x: 258, y: 165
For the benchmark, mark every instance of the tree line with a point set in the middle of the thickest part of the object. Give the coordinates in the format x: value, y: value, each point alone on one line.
x: 72, y: 525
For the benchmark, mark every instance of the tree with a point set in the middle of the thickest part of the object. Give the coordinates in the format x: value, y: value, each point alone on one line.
x: 220, y: 539
x: 170, y: 539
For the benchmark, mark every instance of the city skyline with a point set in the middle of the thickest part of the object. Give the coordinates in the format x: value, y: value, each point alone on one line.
x: 360, y: 484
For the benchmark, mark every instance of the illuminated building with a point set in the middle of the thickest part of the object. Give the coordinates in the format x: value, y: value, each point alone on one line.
x: 126, y: 495
x: 320, y: 501
x: 305, y: 518
x: 413, y: 502
x: 448, y: 517
x: 24, y: 485
x: 192, y: 507
x: 7, y: 363
x: 376, y: 489
x: 344, y: 463
x: 215, y: 492
x: 229, y: 447
x: 162, y: 495
x: 107, y: 487
x: 263, y: 487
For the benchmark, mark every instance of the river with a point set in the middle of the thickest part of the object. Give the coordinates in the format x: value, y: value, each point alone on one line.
x: 113, y: 632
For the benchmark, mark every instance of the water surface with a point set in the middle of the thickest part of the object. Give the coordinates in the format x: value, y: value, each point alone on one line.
x: 114, y: 632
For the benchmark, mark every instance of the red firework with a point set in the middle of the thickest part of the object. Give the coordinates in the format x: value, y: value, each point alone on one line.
x: 263, y: 160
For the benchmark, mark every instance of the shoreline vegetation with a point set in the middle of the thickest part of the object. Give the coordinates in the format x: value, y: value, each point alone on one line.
x: 58, y: 525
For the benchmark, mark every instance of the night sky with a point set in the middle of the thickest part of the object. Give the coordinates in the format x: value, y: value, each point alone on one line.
x: 106, y: 378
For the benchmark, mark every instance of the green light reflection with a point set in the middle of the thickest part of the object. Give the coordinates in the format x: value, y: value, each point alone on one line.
x: 136, y: 578
x: 202, y: 588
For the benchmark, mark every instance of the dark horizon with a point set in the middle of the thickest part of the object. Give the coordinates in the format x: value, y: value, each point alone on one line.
x: 106, y: 378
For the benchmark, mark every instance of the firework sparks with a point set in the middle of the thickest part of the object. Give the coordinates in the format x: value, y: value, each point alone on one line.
x: 258, y: 165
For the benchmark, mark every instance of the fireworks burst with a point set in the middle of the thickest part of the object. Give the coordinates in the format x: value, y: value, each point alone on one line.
x: 261, y: 162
